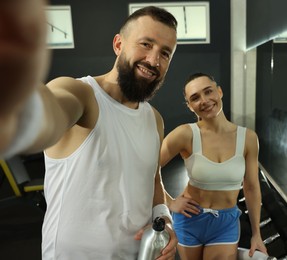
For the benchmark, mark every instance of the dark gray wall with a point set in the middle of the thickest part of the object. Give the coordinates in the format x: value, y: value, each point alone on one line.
x: 271, y: 110
x: 95, y: 24
x: 265, y: 19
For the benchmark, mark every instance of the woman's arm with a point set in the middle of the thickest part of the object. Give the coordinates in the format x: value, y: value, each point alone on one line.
x: 252, y: 193
x: 172, y: 145
x: 179, y: 141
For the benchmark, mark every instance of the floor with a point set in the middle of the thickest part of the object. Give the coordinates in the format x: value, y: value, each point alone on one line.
x: 21, y: 218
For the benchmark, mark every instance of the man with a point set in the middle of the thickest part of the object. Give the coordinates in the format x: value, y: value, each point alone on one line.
x: 102, y: 180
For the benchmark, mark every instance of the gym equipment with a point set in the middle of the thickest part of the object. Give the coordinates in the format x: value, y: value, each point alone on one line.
x: 265, y: 222
x: 271, y: 239
x: 18, y: 177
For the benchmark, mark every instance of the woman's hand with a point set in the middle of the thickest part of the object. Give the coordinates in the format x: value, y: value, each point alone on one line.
x: 184, y: 206
x: 257, y: 244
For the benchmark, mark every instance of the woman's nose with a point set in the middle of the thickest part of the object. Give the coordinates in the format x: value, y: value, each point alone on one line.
x: 203, y: 99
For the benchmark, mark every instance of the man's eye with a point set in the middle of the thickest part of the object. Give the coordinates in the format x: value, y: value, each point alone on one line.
x: 166, y: 55
x: 147, y: 45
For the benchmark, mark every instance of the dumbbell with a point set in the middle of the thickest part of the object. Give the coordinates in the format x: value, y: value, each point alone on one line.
x: 265, y: 222
x: 270, y: 239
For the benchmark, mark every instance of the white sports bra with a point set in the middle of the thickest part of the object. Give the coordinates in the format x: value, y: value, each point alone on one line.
x: 208, y: 175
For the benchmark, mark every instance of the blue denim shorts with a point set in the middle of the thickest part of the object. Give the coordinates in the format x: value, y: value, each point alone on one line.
x: 209, y: 227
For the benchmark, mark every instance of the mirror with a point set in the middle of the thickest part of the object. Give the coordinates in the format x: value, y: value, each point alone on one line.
x: 271, y: 112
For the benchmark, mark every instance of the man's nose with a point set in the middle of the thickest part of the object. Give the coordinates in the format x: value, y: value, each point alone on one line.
x: 153, y: 59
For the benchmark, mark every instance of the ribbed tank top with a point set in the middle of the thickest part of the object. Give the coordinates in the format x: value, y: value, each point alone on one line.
x: 102, y: 194
x: 208, y: 175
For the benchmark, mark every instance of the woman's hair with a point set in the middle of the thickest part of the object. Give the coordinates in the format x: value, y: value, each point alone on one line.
x: 156, y: 13
x: 195, y: 76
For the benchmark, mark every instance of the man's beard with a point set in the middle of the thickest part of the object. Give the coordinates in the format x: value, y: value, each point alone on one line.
x: 136, y: 89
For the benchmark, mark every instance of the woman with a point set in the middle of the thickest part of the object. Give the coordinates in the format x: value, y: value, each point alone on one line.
x: 219, y: 157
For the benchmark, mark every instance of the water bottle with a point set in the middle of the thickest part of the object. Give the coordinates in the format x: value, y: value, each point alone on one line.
x: 153, y: 240
x: 243, y: 254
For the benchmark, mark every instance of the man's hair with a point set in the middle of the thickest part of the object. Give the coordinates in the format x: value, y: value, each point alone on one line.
x: 156, y: 13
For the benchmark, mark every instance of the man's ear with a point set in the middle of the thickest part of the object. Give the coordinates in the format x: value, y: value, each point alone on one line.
x: 117, y: 44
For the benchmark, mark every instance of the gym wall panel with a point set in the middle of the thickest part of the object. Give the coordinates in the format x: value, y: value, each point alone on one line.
x: 95, y: 24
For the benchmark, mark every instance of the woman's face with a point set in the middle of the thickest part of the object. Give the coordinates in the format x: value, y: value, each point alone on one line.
x: 203, y: 97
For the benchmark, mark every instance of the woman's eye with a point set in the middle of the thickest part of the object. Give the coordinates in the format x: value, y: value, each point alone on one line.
x: 208, y: 91
x: 193, y: 99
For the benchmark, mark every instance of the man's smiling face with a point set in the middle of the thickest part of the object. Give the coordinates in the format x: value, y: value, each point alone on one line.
x: 147, y: 49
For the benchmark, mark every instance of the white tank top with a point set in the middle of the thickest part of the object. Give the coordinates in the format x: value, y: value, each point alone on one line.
x: 102, y: 194
x: 208, y: 175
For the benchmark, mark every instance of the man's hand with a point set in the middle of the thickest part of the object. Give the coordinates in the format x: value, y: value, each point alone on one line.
x: 24, y: 60
x: 23, y: 54
x: 168, y: 253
